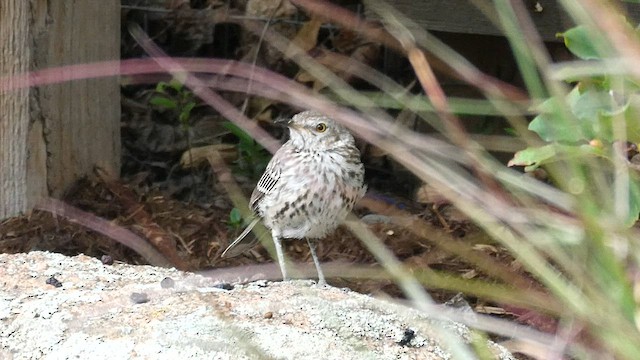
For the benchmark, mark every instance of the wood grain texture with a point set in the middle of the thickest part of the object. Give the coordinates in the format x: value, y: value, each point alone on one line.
x: 461, y: 16
x: 81, y: 119
x: 52, y: 135
x: 14, y: 107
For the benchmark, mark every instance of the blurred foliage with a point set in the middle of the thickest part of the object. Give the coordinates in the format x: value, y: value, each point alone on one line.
x: 602, y: 108
x: 235, y: 219
x: 253, y: 158
x: 174, y: 96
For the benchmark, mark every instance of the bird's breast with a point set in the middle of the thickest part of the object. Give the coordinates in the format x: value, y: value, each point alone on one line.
x: 315, y: 192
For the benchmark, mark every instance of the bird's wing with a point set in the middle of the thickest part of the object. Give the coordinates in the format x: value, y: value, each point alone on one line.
x: 242, y: 243
x: 266, y: 183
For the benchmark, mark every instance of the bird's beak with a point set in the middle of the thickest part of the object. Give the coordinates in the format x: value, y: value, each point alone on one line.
x: 283, y: 121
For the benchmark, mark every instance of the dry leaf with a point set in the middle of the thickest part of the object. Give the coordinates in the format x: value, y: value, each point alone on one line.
x: 260, y: 109
x: 195, y: 156
x: 306, y: 39
x: 426, y: 194
x: 332, y: 61
x: 270, y: 8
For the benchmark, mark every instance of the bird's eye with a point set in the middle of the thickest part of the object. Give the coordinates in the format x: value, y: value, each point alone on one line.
x: 321, y: 127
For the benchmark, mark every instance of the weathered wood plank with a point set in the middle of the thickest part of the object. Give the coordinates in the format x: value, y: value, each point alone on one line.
x: 52, y: 135
x: 81, y: 119
x: 461, y: 16
x: 14, y: 107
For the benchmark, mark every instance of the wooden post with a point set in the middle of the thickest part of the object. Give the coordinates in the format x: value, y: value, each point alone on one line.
x: 14, y: 107
x: 52, y: 135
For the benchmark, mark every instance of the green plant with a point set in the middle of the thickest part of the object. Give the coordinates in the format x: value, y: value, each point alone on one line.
x: 253, y: 158
x: 252, y: 161
x: 175, y: 97
x: 235, y: 218
x: 591, y: 124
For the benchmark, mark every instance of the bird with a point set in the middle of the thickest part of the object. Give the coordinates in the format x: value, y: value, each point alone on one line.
x: 308, y: 187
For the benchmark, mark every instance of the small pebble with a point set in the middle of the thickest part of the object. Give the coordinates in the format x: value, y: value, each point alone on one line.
x: 408, y: 336
x: 268, y: 315
x: 223, y: 286
x: 260, y: 283
x: 53, y: 282
x: 376, y: 219
x: 139, y: 298
x: 106, y: 260
x: 167, y: 283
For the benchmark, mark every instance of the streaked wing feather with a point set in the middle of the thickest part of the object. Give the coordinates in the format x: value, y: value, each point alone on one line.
x: 265, y: 185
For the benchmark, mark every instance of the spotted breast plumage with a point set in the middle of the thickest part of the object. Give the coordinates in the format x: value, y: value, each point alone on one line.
x: 309, y: 186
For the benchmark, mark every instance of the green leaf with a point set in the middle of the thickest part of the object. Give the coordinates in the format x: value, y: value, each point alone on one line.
x: 532, y: 158
x: 580, y: 43
x: 589, y: 109
x: 176, y: 85
x: 629, y: 114
x: 634, y: 201
x: 237, y: 131
x: 552, y: 127
x: 596, y: 113
x: 163, y: 102
x: 161, y: 86
x: 592, y: 103
x: 235, y: 217
x: 599, y: 114
x: 185, y: 114
x: 632, y: 118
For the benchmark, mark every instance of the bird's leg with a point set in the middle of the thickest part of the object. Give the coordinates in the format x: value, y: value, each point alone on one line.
x: 280, y: 254
x: 312, y: 248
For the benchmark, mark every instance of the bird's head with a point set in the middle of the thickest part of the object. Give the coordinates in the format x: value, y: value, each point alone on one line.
x: 311, y: 130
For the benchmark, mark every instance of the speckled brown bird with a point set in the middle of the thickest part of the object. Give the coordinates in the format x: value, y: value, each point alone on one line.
x: 309, y: 186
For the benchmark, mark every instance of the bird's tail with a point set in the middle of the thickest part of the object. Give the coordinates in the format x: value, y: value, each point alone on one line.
x: 242, y: 243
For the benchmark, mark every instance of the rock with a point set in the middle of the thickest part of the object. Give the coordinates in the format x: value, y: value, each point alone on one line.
x: 92, y: 316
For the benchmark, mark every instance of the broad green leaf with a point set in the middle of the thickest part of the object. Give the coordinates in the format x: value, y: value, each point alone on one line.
x: 589, y: 108
x: 580, y: 43
x: 596, y: 113
x: 592, y: 103
x: 163, y: 102
x: 552, y: 127
x: 599, y: 113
